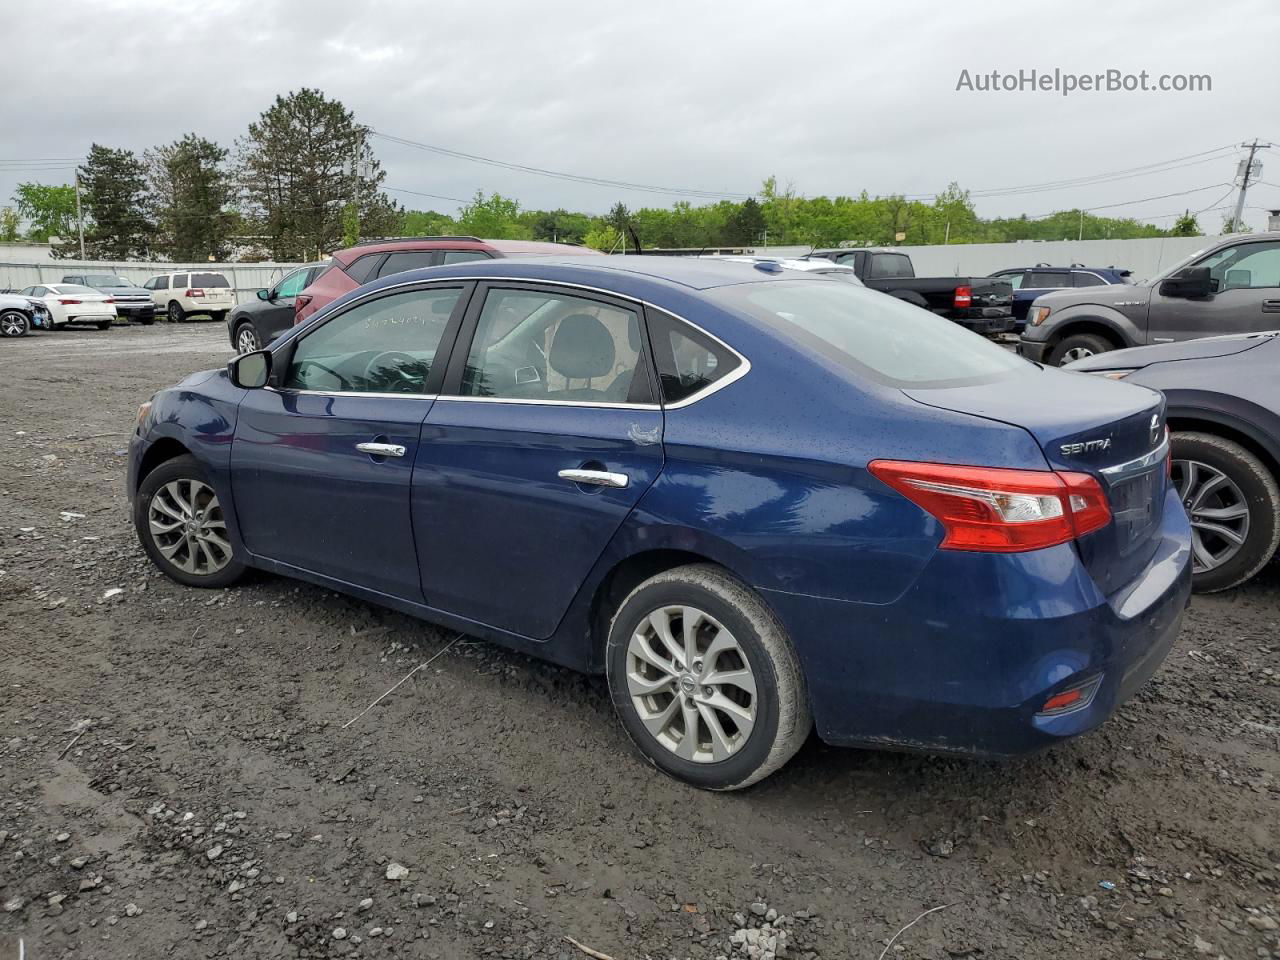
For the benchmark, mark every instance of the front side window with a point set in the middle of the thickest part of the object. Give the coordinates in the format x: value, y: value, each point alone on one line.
x: 549, y: 346
x: 1244, y: 266
x: 161, y: 283
x: 882, y: 338
x: 386, y: 345
x: 292, y: 285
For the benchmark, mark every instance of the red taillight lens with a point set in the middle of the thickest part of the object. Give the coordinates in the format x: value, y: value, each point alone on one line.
x: 109, y: 300
x: 963, y: 297
x: 998, y: 510
x: 68, y: 303
x: 195, y: 293
x: 300, y: 301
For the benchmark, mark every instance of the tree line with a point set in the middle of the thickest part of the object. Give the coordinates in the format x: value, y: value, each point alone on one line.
x: 303, y: 180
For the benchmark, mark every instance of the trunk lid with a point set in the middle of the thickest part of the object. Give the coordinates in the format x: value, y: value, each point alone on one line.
x: 1091, y: 425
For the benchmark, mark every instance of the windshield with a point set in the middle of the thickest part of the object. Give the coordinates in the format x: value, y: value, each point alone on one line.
x: 879, y: 336
x: 106, y: 280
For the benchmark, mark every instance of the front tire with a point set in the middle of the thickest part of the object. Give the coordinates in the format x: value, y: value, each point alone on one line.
x: 705, y: 680
x: 1077, y: 347
x: 1234, y: 504
x: 175, y: 312
x: 180, y: 523
x: 104, y: 325
x: 247, y: 339
x: 14, y: 323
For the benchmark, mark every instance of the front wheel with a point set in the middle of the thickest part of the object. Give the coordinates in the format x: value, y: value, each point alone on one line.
x: 1077, y: 347
x: 247, y: 339
x: 175, y: 313
x: 1233, y: 501
x: 14, y: 323
x: 705, y: 680
x: 180, y: 523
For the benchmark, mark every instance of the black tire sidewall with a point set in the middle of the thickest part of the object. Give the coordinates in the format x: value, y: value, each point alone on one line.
x: 712, y: 776
x: 1091, y: 340
x: 175, y: 313
x: 179, y: 468
x: 1242, y: 468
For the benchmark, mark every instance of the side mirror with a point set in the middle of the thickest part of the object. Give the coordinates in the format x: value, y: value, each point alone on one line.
x: 1189, y: 282
x: 264, y: 294
x: 251, y: 370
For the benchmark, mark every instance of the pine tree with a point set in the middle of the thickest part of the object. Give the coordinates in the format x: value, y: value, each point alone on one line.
x: 114, y: 187
x: 191, y: 192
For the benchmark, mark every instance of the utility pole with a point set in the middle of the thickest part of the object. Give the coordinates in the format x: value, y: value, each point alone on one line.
x: 1246, y: 172
x: 1081, y: 235
x: 946, y: 237
x: 79, y: 215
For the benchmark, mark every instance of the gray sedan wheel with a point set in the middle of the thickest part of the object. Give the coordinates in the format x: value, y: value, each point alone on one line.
x: 247, y: 339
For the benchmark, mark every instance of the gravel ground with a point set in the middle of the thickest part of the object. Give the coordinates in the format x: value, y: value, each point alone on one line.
x: 176, y: 778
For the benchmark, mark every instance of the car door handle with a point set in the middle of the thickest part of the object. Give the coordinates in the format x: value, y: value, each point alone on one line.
x: 1271, y: 306
x: 381, y: 449
x: 596, y: 478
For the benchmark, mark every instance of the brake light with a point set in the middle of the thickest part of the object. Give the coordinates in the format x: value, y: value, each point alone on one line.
x: 68, y: 303
x: 963, y: 296
x: 195, y: 293
x: 300, y: 301
x: 999, y: 510
x: 109, y: 300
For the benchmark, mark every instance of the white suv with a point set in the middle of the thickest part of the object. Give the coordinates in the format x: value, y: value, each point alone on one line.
x: 178, y: 294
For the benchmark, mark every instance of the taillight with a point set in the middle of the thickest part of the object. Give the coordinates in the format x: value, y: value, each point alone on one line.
x: 68, y: 303
x: 109, y: 300
x: 963, y: 297
x: 195, y: 293
x: 999, y: 510
x: 300, y: 301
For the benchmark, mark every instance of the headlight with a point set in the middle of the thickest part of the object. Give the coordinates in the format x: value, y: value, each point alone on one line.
x: 1037, y: 315
x: 1112, y: 374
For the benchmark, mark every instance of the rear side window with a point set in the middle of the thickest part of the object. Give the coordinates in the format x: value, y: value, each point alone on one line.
x: 463, y: 256
x: 406, y: 260
x: 209, y: 280
x: 362, y: 269
x: 1041, y: 279
x: 891, y: 266
x: 882, y: 338
x: 688, y: 361
x: 180, y: 279
x: 1088, y: 280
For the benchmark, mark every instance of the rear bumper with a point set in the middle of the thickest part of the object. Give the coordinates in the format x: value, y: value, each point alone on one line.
x: 965, y: 660
x: 987, y: 322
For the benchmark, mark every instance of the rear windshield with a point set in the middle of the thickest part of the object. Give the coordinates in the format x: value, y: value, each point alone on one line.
x: 208, y: 280
x: 72, y: 288
x: 879, y: 336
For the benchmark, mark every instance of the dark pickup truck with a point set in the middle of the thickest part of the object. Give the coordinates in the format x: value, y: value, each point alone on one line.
x: 983, y: 304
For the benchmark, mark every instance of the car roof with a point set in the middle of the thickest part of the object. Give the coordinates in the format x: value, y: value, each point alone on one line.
x: 510, y: 248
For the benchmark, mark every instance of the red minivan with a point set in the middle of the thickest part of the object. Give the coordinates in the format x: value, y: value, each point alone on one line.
x: 357, y: 265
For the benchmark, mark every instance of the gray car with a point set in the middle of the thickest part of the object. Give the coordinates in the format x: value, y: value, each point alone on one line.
x: 1223, y: 398
x: 1230, y: 287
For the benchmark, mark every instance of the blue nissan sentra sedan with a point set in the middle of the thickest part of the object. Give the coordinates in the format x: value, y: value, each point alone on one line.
x: 759, y: 501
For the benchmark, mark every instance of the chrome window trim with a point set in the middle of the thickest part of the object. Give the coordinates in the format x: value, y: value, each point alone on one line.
x: 459, y: 398
x: 292, y: 392
x: 1138, y: 463
x: 743, y: 368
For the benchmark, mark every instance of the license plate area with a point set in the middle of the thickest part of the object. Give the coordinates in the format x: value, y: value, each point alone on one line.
x: 1133, y: 507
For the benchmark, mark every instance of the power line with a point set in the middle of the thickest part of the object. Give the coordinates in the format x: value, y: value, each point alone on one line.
x: 1130, y: 203
x: 419, y: 193
x: 560, y: 175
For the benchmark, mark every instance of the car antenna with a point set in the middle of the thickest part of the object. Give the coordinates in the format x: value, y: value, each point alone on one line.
x: 634, y: 238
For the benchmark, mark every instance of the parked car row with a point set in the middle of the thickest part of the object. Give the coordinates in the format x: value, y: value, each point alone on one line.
x: 99, y: 299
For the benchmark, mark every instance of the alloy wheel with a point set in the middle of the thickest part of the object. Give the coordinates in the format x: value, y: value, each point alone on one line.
x: 1076, y: 353
x: 13, y: 324
x: 246, y: 339
x: 1219, y: 513
x: 187, y: 527
x: 691, y: 684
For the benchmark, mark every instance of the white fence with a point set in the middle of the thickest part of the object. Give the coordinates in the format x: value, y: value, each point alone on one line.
x: 245, y: 278
x: 1146, y: 257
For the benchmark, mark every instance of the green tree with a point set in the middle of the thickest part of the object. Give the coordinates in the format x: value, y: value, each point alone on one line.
x: 605, y: 237
x: 557, y: 226
x: 191, y: 192
x: 9, y: 224
x: 746, y: 223
x: 114, y: 185
x: 50, y: 210
x: 303, y: 160
x: 1186, y: 225
x: 493, y: 217
x: 426, y: 223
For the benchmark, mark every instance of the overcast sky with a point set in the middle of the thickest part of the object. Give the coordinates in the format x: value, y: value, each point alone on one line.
x: 832, y: 97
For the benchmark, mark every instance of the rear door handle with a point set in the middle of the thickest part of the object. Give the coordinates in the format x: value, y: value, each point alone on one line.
x: 1271, y: 306
x: 381, y: 449
x: 596, y: 478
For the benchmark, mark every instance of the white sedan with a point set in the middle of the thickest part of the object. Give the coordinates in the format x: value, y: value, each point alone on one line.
x: 73, y: 303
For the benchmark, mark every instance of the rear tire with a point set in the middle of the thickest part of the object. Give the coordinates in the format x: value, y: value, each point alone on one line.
x: 147, y: 320
x: 1246, y: 484
x: 175, y: 313
x: 738, y: 690
x: 178, y: 491
x: 104, y: 325
x: 1077, y: 347
x: 14, y: 323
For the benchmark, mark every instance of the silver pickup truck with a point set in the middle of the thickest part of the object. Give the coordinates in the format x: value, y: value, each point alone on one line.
x: 1230, y: 287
